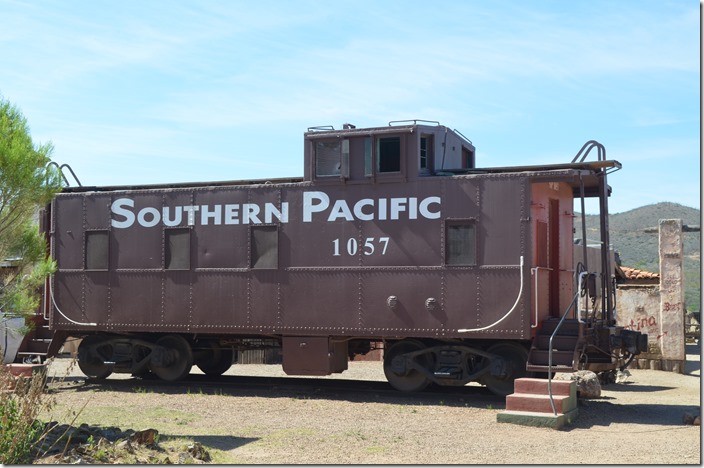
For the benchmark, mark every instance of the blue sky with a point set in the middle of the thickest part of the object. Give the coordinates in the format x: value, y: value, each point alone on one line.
x: 142, y: 92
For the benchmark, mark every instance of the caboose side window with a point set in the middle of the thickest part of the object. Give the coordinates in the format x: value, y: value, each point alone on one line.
x: 426, y: 153
x: 368, y: 166
x: 467, y: 158
x: 388, y: 152
x: 177, y: 249
x: 461, y: 243
x: 332, y: 158
x: 265, y: 247
x: 97, y: 243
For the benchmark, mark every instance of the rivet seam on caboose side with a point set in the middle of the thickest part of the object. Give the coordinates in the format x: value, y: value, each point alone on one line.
x: 443, y: 254
x: 271, y: 329
x: 360, y: 300
x: 279, y: 308
x: 190, y: 280
x: 375, y: 268
x: 480, y: 245
x: 249, y: 302
x: 279, y: 305
x: 360, y: 296
x: 110, y: 326
x: 524, y: 227
x: 163, y: 263
x: 249, y: 264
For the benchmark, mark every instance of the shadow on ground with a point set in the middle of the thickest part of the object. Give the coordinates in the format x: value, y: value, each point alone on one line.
x: 218, y: 442
x: 605, y: 413
x: 362, y: 391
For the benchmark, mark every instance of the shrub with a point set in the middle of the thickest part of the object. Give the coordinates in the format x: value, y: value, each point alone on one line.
x: 21, y: 400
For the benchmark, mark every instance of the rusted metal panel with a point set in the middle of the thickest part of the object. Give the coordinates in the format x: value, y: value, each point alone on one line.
x: 503, y: 217
x: 96, y: 297
x: 500, y: 289
x: 67, y: 214
x: 97, y: 211
x: 409, y: 315
x: 320, y: 303
x: 216, y: 242
x: 177, y: 300
x: 135, y: 302
x: 264, y: 300
x: 462, y: 292
x: 137, y: 249
x: 67, y: 290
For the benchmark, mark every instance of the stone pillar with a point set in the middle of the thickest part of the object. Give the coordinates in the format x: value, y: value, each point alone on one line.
x: 671, y: 339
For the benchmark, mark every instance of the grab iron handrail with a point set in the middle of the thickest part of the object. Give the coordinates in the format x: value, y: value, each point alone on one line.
x: 61, y: 168
x: 557, y: 328
x: 587, y: 147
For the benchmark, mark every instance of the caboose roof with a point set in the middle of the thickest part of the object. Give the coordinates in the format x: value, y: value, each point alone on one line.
x: 573, y: 173
x: 394, y: 127
x: 568, y: 172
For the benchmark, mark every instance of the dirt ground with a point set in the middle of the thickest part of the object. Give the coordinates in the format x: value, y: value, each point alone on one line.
x: 355, y: 418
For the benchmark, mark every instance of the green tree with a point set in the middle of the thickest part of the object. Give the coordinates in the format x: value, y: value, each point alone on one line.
x: 26, y: 183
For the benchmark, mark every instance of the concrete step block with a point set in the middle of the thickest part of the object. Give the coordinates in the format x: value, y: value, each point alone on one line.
x: 540, y: 403
x: 540, y: 386
x: 25, y: 370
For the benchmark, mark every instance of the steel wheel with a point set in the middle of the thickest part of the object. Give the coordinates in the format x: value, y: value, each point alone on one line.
x: 399, y: 375
x: 172, y: 359
x: 93, y: 352
x: 215, y: 361
x: 514, y: 357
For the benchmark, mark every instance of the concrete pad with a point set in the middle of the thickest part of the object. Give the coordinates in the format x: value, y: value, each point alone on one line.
x: 525, y: 418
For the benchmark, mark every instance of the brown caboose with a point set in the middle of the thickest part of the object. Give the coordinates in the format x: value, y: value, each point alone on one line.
x: 392, y: 236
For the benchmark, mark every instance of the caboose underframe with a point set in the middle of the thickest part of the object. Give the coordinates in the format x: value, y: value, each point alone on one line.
x: 392, y: 236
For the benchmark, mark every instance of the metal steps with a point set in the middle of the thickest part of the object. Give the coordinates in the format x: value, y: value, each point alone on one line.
x: 35, y: 346
x: 570, y: 327
x: 565, y: 347
x: 559, y: 342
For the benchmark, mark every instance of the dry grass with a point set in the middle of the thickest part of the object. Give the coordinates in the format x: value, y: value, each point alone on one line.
x: 22, y: 399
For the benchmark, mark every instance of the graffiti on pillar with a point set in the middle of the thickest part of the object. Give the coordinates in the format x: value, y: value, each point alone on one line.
x: 642, y: 323
x: 672, y: 306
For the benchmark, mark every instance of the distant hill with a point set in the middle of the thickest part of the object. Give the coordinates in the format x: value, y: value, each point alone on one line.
x: 639, y: 249
x: 650, y: 216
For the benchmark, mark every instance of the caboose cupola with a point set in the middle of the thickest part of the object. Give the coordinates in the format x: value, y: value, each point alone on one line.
x: 402, y: 150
